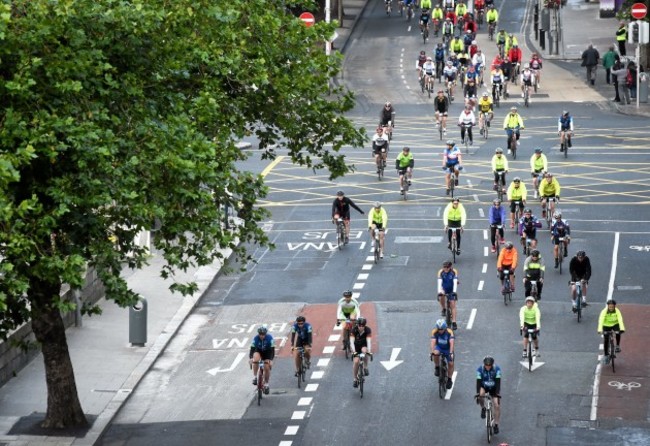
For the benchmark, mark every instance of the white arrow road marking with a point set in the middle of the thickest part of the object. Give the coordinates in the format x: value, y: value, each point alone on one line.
x: 536, y: 365
x: 393, y: 362
x: 237, y: 360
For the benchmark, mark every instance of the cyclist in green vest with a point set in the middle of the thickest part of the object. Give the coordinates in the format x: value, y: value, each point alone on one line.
x: 530, y: 318
x: 404, y: 165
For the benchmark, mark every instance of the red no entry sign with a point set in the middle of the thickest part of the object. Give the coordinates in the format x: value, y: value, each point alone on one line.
x: 308, y: 18
x: 639, y: 10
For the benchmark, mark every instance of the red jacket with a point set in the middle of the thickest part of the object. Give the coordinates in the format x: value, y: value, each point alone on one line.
x: 515, y: 55
x: 472, y: 50
x: 451, y: 15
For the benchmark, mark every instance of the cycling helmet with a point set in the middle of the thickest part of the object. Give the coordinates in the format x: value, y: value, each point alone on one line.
x: 300, y: 319
x: 611, y: 301
x: 517, y: 180
x: 509, y: 245
x: 511, y: 35
x: 446, y: 264
x: 528, y: 211
x: 488, y: 360
x: 449, y: 63
x: 515, y: 45
x: 377, y: 204
x: 262, y: 330
x: 486, y: 94
x: 530, y: 299
x: 429, y: 58
x: 387, y: 104
x: 347, y: 293
x: 548, y: 175
x: 450, y: 142
x: 565, y: 113
x: 538, y: 150
x: 498, y: 149
x: 474, y: 43
x: 581, y: 254
x: 557, y: 214
x: 496, y: 202
x: 441, y: 91
x: 513, y: 109
x: 441, y: 324
x: 455, y: 200
x: 340, y: 193
x: 406, y: 149
x: 422, y: 52
x: 526, y: 66
x: 361, y: 321
x: 534, y: 253
x: 439, y: 44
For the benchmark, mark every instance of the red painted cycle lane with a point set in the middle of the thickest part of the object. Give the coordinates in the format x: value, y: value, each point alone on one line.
x: 625, y: 394
x: 322, y: 318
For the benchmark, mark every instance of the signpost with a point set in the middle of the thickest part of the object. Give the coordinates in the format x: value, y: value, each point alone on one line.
x: 307, y: 18
x: 639, y: 10
x: 638, y: 32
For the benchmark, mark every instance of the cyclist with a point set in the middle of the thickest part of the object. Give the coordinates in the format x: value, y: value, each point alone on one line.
x: 492, y: 17
x: 515, y: 55
x: 513, y: 123
x: 497, y: 217
x: 437, y: 16
x: 478, y: 60
x: 501, y: 38
x: 528, y: 225
x: 486, y: 112
x: 461, y: 9
x: 451, y: 162
x: 378, y: 218
x: 507, y: 260
x: 341, y: 209
x: 448, y: 284
x: 449, y: 73
x: 380, y: 147
x: 538, y: 164
x: 441, y: 106
x: 468, y: 38
x: 404, y: 165
x: 425, y: 15
x: 565, y: 129
x: 348, y: 308
x: 439, y: 59
x: 488, y: 380
x: 510, y: 42
x: 442, y: 344
x: 301, y: 336
x: 508, y: 73
x: 517, y: 196
x: 536, y: 65
x: 454, y: 217
x: 471, y: 82
x: 262, y: 348
x: 526, y: 78
x: 560, y: 228
x: 534, y: 270
x: 447, y: 29
x: 449, y: 5
x: 530, y: 318
x: 580, y: 269
x: 428, y: 72
x: 466, y: 120
x: 473, y: 49
x: 499, y: 164
x: 362, y: 344
x: 421, y: 60
x: 549, y: 189
x: 611, y: 319
x: 497, y: 80
x: 456, y: 45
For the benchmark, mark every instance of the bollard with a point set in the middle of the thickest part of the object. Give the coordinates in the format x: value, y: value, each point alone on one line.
x: 536, y: 20
x: 138, y: 323
x: 642, y: 88
x: 542, y: 38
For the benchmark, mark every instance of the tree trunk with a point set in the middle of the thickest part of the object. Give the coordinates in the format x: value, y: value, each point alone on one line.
x: 63, y: 406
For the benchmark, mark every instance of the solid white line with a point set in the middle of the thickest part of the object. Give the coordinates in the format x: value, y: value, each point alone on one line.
x: 594, y: 392
x: 305, y: 401
x: 311, y: 387
x: 481, y: 213
x: 453, y: 377
x: 480, y: 285
x: 485, y: 234
x: 484, y: 270
x: 334, y: 337
x: 298, y: 415
x: 472, y: 316
x: 291, y: 430
x: 610, y: 291
x: 362, y: 277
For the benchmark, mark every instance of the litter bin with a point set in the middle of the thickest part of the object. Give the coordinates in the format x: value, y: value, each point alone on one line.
x: 138, y: 323
x: 642, y: 91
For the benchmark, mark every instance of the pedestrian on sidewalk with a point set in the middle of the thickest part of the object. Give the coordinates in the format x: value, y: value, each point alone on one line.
x: 617, y: 66
x: 622, y: 75
x: 590, y: 58
x: 608, y: 62
x: 621, y: 37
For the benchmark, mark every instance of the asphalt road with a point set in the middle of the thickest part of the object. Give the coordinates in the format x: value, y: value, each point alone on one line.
x: 199, y: 392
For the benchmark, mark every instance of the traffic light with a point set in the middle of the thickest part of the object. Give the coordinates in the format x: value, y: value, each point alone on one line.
x: 633, y: 33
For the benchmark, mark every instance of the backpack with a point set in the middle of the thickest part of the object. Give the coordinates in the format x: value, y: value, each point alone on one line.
x: 629, y: 80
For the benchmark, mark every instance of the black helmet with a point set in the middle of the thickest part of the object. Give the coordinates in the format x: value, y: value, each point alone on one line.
x: 446, y: 263
x: 340, y: 193
x: 538, y: 150
x: 534, y: 253
x: 347, y: 293
x: 581, y: 254
x: 361, y: 321
x: 611, y: 301
x: 528, y: 211
x: 300, y: 319
x: 488, y: 360
x: 262, y: 329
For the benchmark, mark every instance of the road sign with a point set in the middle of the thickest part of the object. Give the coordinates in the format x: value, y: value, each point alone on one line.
x: 639, y: 10
x: 308, y: 18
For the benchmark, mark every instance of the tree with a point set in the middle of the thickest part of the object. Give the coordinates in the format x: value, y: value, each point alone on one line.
x: 119, y: 113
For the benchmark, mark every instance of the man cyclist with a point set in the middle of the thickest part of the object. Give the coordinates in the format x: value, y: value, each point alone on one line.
x: 439, y: 59
x: 496, y: 217
x: 497, y: 79
x: 560, y: 229
x: 507, y: 260
x: 501, y: 38
x: 565, y: 129
x: 461, y: 9
x: 580, y: 270
x: 499, y: 169
x: 534, y: 268
x: 510, y: 42
x: 362, y: 344
x: 526, y: 78
x: 478, y: 60
x: 517, y: 196
x: 456, y: 45
x: 515, y: 55
x: 348, y: 309
x: 428, y: 73
x: 549, y: 192
x: 610, y: 320
x: 454, y: 216
x: 449, y: 73
x: 404, y: 166
x: 530, y: 318
x: 466, y: 121
x: 262, y: 348
x: 451, y: 163
x: 441, y: 106
x: 538, y: 165
x: 301, y: 336
x: 447, y: 29
x: 513, y: 123
x: 492, y: 17
x: 341, y: 209
x: 380, y: 147
x: 425, y: 14
x: 419, y: 63
x: 442, y: 344
x: 448, y: 285
x: 528, y: 225
x: 378, y: 218
x: 486, y: 112
x: 488, y: 380
x: 437, y: 15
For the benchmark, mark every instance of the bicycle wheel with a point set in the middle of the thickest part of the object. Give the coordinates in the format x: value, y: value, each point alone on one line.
x: 300, y: 371
x: 340, y: 237
x: 514, y: 149
x: 360, y: 377
x: 566, y: 149
x: 579, y: 306
x: 260, y: 388
x: 489, y: 424
x: 448, y: 314
x: 440, y: 129
x: 530, y: 353
x: 425, y: 35
x: 561, y: 258
x: 453, y: 247
x: 526, y: 102
x: 442, y: 380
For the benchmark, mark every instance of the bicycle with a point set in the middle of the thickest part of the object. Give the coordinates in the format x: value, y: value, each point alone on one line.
x: 519, y: 206
x: 491, y: 27
x: 429, y: 84
x: 340, y: 233
x: 361, y: 371
x: 534, y: 292
x: 549, y: 209
x: 381, y: 162
x: 529, y: 350
x: 611, y: 335
x: 440, y: 67
x: 375, y: 235
x: 481, y: 15
x: 404, y: 183
x: 466, y: 140
x: 512, y: 142
x: 496, y: 95
x: 483, y: 117
x: 526, y: 243
x: 564, y: 145
x: 507, y: 287
x: 440, y: 125
x: 526, y: 95
x: 578, y: 300
x: 425, y: 33
x: 497, y: 238
x: 454, y: 240
x: 489, y: 415
x: 452, y: 180
x: 501, y: 188
x: 302, y: 366
x: 448, y: 312
x: 562, y: 248
x: 443, y: 375
x: 409, y: 12
x: 260, y: 383
x: 347, y: 347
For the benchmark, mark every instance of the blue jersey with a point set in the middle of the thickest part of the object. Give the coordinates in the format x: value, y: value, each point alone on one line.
x: 443, y: 338
x: 565, y: 122
x: 440, y: 54
x: 452, y: 155
x: 560, y: 228
x: 303, y: 333
x: 263, y: 345
x: 447, y: 279
x: 488, y: 378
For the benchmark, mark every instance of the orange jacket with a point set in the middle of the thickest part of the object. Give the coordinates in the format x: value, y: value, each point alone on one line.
x: 508, y: 257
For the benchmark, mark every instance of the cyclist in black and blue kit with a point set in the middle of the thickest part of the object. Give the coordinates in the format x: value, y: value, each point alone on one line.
x: 488, y: 380
x: 565, y: 128
x: 442, y: 344
x: 301, y: 336
x: 262, y: 348
x: 448, y: 284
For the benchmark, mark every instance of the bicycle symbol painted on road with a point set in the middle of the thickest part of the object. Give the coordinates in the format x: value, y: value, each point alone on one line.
x: 645, y: 248
x: 623, y: 386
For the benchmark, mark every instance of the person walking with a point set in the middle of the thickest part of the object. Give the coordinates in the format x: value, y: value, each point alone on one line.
x: 608, y: 62
x: 619, y: 71
x: 621, y: 37
x: 590, y: 58
x: 615, y: 79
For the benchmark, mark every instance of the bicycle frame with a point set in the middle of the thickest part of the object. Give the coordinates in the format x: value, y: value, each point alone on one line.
x: 260, y: 381
x: 340, y: 233
x: 531, y: 358
x: 507, y: 287
x: 444, y: 375
x: 377, y: 237
x: 611, y: 337
x: 454, y: 240
x: 302, y: 368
